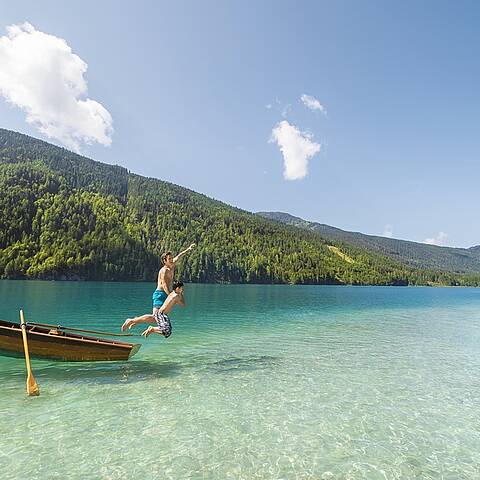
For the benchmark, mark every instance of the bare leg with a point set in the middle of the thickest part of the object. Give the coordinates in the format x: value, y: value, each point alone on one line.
x: 131, y: 322
x: 151, y: 330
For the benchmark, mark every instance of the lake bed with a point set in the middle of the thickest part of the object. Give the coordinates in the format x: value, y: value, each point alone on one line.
x: 320, y: 382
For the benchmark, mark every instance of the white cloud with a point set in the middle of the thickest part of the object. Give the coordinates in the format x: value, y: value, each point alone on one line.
x: 297, y: 148
x: 285, y: 110
x: 388, y: 231
x: 312, y: 103
x: 40, y: 74
x: 437, y: 240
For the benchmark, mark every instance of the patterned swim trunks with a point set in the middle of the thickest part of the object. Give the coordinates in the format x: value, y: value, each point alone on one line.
x: 163, y: 322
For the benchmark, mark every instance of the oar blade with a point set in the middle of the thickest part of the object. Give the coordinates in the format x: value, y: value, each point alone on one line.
x: 33, y: 389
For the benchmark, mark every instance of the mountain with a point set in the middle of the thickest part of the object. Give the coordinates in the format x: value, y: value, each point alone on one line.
x: 413, y: 254
x: 64, y: 216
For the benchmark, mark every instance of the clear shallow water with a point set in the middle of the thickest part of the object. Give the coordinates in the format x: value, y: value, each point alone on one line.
x: 262, y: 382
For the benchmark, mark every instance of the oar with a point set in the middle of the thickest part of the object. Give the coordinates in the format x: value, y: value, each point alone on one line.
x: 71, y: 329
x: 32, y: 387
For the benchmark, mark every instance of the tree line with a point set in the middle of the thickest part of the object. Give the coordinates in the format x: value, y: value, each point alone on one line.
x: 63, y: 216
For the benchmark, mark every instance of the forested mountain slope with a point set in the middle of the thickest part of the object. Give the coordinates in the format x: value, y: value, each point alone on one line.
x: 64, y: 216
x: 417, y: 255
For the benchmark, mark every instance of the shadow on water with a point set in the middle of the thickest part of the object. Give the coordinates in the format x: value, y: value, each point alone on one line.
x: 252, y: 362
x: 116, y: 373
x: 101, y: 373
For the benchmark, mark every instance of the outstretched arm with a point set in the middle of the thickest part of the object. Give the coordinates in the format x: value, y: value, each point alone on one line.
x: 181, y: 254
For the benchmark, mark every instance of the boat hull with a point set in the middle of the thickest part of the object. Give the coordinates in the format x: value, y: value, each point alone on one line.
x: 59, y: 345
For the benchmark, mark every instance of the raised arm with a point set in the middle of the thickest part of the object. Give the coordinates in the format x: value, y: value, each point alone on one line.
x: 181, y: 254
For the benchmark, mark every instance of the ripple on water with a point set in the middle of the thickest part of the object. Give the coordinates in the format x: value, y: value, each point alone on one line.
x: 350, y: 384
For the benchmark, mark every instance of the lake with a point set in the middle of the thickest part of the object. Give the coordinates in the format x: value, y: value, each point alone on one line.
x: 267, y: 382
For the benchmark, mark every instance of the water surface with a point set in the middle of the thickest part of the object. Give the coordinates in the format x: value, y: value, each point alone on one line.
x: 288, y: 382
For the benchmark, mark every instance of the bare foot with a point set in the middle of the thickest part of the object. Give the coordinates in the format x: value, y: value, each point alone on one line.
x: 126, y: 324
x: 148, y: 331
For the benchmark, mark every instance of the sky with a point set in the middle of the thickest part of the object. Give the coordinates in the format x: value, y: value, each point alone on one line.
x: 363, y: 115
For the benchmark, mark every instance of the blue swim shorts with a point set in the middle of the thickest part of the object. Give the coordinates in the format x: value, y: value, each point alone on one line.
x: 159, y: 297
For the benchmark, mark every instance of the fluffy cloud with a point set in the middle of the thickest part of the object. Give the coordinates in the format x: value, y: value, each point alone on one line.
x: 312, y: 103
x: 297, y: 149
x: 438, y: 240
x: 40, y: 74
x: 388, y: 231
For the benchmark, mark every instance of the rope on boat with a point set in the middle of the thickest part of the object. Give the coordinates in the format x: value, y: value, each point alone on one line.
x: 60, y: 327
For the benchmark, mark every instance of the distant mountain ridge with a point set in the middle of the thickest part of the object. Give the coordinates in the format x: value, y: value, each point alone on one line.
x: 67, y: 217
x: 417, y: 255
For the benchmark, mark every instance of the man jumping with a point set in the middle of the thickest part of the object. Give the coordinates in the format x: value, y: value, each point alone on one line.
x: 164, y: 287
x: 164, y: 326
x: 160, y: 314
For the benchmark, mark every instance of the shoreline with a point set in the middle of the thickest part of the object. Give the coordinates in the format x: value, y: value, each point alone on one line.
x: 238, y: 284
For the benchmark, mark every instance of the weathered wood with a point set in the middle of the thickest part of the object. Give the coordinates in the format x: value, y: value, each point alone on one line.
x: 58, y: 345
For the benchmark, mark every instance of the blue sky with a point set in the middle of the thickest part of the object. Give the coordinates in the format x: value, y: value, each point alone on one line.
x: 195, y: 91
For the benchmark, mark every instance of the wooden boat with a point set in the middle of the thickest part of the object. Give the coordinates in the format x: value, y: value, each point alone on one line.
x: 57, y: 343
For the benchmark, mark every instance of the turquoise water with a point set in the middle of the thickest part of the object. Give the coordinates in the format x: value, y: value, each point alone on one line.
x: 267, y: 382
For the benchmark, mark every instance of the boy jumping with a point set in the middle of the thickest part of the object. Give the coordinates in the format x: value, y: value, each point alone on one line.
x: 164, y: 287
x: 160, y: 314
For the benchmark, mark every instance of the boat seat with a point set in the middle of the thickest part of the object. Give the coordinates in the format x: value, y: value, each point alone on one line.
x: 55, y: 331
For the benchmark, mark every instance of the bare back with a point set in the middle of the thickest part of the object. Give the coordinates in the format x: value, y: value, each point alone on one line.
x: 170, y: 302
